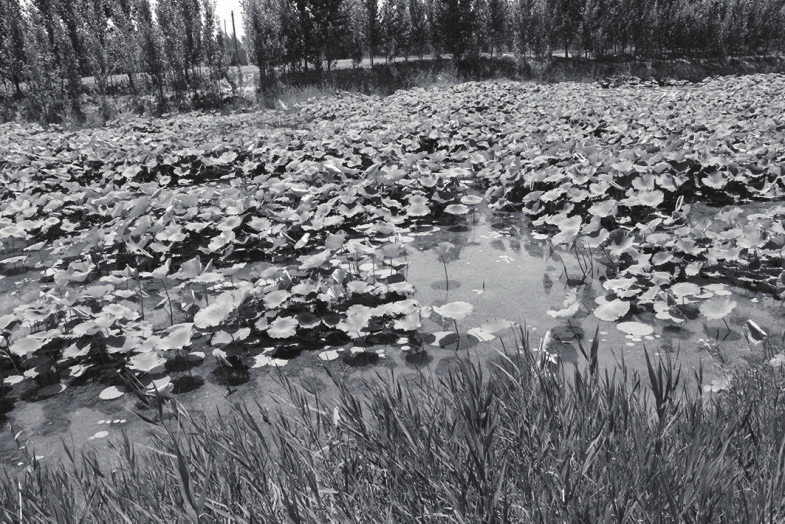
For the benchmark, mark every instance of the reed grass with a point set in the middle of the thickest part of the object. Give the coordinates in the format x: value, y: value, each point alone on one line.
x: 511, y: 440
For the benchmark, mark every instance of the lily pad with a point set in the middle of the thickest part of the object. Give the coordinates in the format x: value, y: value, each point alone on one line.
x: 636, y: 329
x: 283, y: 327
x: 717, y: 308
x: 456, y: 209
x: 454, y: 310
x: 111, y: 393
x: 146, y: 362
x: 612, y: 310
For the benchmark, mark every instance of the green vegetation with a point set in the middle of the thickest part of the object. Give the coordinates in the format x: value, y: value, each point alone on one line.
x: 174, y: 54
x: 155, y: 246
x: 514, y: 440
x: 143, y: 256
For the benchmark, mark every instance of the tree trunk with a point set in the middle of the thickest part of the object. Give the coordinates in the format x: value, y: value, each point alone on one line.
x: 17, y: 86
x: 131, y: 82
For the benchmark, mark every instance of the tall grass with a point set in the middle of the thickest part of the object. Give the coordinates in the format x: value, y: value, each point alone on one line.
x: 509, y: 440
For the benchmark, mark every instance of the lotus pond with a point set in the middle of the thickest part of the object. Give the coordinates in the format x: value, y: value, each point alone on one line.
x: 199, y: 255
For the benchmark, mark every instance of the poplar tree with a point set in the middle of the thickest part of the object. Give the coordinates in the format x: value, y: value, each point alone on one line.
x: 12, y: 43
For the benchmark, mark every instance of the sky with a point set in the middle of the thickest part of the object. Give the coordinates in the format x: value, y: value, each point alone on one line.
x: 223, y: 9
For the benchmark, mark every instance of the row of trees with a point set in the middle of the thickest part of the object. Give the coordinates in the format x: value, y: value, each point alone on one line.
x: 47, y: 46
x: 296, y: 33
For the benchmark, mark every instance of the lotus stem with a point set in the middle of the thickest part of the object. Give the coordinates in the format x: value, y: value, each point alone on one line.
x: 446, y: 280
x: 457, y: 335
x: 169, y: 301
x: 729, y: 330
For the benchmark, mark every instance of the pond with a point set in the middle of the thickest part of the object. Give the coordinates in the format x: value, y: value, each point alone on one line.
x: 205, y: 254
x: 510, y: 277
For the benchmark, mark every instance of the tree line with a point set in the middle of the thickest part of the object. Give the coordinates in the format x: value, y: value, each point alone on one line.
x: 48, y: 46
x: 299, y: 33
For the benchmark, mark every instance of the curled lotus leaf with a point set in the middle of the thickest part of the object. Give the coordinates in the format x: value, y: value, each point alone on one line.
x: 456, y: 209
x: 454, y: 310
x: 650, y: 198
x: 715, y: 181
x: 408, y: 322
x: 471, y: 200
x: 685, y: 289
x: 217, y: 312
x: 274, y: 299
x: 283, y: 327
x: 315, y: 261
x: 357, y: 318
x: 179, y: 336
x: 417, y: 210
x: 497, y: 325
x: 25, y: 346
x: 308, y: 320
x: 146, y: 362
x: 570, y: 307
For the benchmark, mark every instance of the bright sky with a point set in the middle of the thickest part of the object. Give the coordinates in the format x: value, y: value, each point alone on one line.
x: 223, y: 9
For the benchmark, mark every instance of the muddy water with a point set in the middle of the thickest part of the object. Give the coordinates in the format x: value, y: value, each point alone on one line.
x: 495, y: 264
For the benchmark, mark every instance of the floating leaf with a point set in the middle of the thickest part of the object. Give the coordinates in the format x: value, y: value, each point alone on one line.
x: 471, y: 200
x: 146, y: 362
x: 260, y: 361
x: 636, y: 329
x: 303, y: 241
x: 650, y: 198
x: 314, y: 261
x: 283, y: 327
x: 717, y: 308
x: 454, y: 310
x: 441, y: 337
x: 496, y: 325
x: 111, y: 393
x: 27, y: 345
x: 603, y: 208
x: 612, y: 310
x: 160, y: 385
x: 216, y: 313
x: 308, y: 320
x: 179, y: 336
x: 329, y: 355
x: 569, y: 227
x: 356, y: 320
x: 274, y: 299
x: 683, y: 289
x: 757, y: 335
x: 715, y: 181
x: 443, y: 248
x: 569, y: 308
x: 480, y: 334
x: 13, y: 379
x: 221, y: 338
x: 51, y: 390
x: 456, y: 209
x: 335, y: 241
x: 409, y: 322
